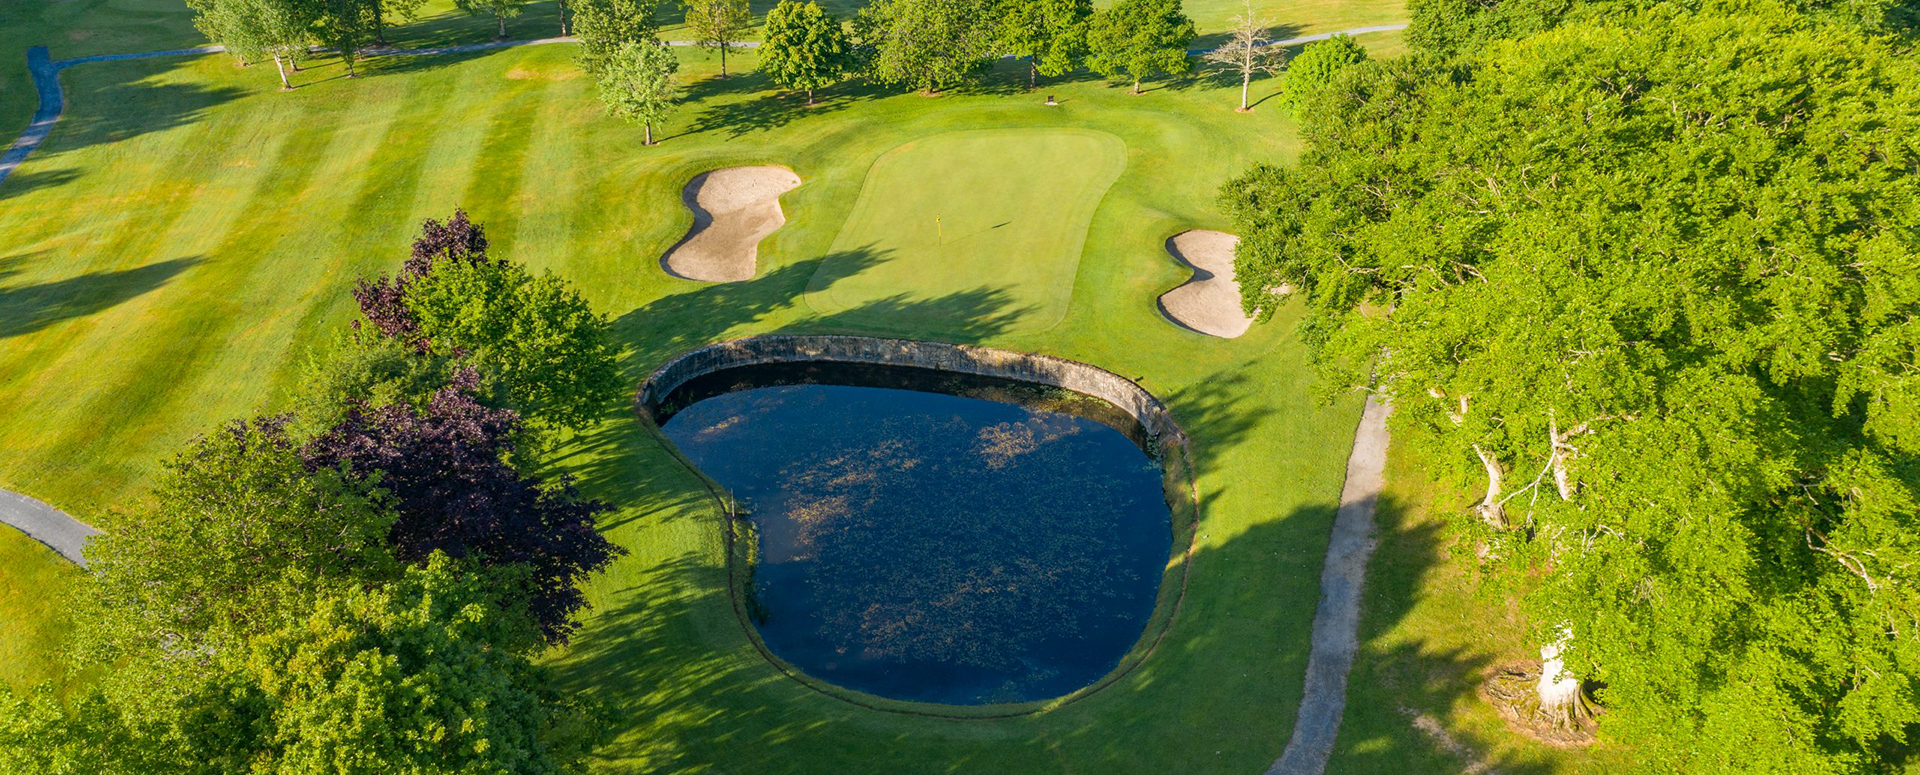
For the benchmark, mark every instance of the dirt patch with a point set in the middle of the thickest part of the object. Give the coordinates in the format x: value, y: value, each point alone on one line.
x: 733, y: 209
x: 1512, y: 690
x: 1210, y: 302
x: 524, y: 74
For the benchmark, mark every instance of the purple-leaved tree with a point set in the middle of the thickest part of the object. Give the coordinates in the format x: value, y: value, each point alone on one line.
x: 447, y: 470
x: 384, y: 299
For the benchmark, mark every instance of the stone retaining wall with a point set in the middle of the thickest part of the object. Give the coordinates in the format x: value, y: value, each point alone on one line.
x: 984, y: 361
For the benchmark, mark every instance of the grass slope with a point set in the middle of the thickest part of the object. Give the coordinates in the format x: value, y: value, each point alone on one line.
x: 971, y: 214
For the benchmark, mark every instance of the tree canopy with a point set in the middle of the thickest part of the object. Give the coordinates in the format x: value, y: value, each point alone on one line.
x: 1454, y: 27
x: 424, y: 674
x: 805, y: 47
x: 718, y: 25
x: 603, y: 26
x: 1052, y: 34
x: 930, y: 44
x: 637, y: 84
x: 447, y: 468
x: 536, y: 344
x: 1317, y: 67
x: 1651, y: 281
x: 1140, y: 39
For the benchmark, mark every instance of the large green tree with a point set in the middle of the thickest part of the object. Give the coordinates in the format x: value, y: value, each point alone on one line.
x: 1051, y: 34
x: 805, y: 47
x: 422, y: 675
x: 535, y: 341
x: 1140, y: 39
x: 344, y: 25
x: 1652, y: 282
x: 500, y: 10
x: 1453, y: 27
x: 259, y: 29
x: 718, y: 25
x: 637, y: 83
x: 1318, y: 67
x: 930, y: 44
x: 605, y: 25
x: 231, y: 515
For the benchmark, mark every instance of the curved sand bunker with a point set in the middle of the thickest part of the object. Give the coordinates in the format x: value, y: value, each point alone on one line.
x: 733, y: 209
x: 1210, y: 302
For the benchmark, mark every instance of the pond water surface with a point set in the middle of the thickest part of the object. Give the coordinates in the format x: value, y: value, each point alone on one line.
x: 934, y: 547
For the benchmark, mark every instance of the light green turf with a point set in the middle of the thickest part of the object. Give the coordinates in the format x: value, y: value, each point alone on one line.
x: 188, y: 232
x: 963, y: 216
x: 31, y: 591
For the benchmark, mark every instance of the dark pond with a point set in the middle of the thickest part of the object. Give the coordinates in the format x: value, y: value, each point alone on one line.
x: 993, y: 542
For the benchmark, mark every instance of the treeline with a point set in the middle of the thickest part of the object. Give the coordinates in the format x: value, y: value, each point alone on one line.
x: 358, y: 584
x: 287, y: 31
x: 1647, y: 276
x: 928, y: 45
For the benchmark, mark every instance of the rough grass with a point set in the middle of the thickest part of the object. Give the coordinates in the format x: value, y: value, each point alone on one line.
x: 990, y: 213
x: 1431, y: 631
x: 189, y: 233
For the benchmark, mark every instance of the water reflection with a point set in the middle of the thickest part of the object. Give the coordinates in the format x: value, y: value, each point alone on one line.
x: 935, y: 547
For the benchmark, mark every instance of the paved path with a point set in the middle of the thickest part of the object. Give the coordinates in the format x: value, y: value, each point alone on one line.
x: 46, y: 524
x: 1337, y: 622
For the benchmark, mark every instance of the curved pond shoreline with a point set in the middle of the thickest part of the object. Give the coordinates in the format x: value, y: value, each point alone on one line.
x: 941, y: 546
x: 1160, y: 436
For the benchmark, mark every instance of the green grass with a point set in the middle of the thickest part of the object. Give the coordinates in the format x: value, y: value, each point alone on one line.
x: 31, y: 615
x: 1431, y: 632
x: 967, y: 217
x: 187, y: 234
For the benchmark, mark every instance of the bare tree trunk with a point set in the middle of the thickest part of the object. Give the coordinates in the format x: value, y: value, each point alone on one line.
x: 563, y: 18
x: 1562, y: 698
x: 1033, y: 74
x: 809, y: 98
x: 284, y: 85
x: 379, y: 23
x: 1136, y: 87
x: 723, y: 58
x: 1560, y: 452
x: 1489, y: 509
x: 502, y: 18
x: 1246, y: 79
x: 649, y: 129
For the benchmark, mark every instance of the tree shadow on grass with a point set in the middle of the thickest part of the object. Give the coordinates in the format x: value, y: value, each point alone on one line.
x: 767, y: 107
x: 1406, y: 691
x: 1217, y: 413
x: 30, y: 308
x: 1213, y: 40
x: 111, y: 102
x: 20, y: 184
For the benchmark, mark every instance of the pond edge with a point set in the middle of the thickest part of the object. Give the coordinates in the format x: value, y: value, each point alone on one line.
x: 1167, y: 443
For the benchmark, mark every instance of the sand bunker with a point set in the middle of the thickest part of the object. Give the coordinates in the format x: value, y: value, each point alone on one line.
x: 1210, y: 302
x: 733, y: 209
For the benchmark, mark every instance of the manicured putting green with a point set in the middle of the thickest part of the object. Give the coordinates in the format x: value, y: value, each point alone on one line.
x: 967, y: 229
